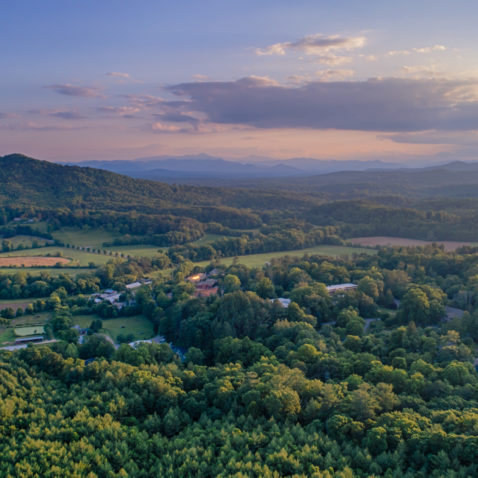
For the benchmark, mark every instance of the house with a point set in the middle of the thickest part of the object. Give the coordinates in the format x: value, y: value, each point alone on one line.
x: 109, y: 295
x: 206, y: 284
x: 206, y: 288
x: 284, y: 302
x: 334, y: 289
x: 215, y: 272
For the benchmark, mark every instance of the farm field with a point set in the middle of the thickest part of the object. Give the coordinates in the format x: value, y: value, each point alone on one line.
x: 258, y: 260
x: 401, y: 241
x: 31, y: 261
x: 137, y: 325
x: 93, y: 238
x: 81, y: 258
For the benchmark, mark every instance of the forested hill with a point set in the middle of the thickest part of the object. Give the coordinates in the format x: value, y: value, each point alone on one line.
x: 26, y: 181
x: 453, y: 180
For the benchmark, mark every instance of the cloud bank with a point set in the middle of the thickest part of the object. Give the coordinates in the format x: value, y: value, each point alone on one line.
x: 391, y: 104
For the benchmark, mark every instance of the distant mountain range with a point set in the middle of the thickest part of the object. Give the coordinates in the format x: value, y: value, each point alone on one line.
x: 203, y: 167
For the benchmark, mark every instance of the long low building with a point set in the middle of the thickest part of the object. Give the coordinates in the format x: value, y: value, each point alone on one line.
x: 333, y: 289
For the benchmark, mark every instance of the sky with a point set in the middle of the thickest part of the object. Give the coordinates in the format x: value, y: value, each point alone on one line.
x: 117, y: 79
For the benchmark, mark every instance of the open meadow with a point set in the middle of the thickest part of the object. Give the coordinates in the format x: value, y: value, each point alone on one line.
x: 92, y: 238
x: 258, y: 260
x: 137, y: 325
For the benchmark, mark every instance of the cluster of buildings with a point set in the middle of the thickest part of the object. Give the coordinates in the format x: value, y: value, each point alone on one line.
x: 113, y: 296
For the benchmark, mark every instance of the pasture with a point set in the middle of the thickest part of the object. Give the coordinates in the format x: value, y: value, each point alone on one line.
x: 92, y: 238
x: 258, y: 260
x: 137, y: 325
x: 31, y: 330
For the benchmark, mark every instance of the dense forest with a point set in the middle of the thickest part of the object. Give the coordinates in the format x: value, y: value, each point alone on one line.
x: 314, y: 389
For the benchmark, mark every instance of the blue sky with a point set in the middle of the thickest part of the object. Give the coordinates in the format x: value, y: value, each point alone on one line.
x: 115, y: 79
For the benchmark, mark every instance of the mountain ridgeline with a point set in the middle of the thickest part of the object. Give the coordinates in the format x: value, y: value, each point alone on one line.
x: 72, y: 195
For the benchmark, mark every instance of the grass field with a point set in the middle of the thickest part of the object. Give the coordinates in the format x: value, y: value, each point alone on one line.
x: 138, y: 325
x: 80, y: 258
x: 7, y: 335
x: 32, y: 330
x: 207, y: 238
x: 402, y: 241
x: 84, y: 237
x: 258, y: 260
x: 29, y: 320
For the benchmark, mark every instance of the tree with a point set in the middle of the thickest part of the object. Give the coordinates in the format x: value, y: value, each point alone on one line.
x: 231, y: 283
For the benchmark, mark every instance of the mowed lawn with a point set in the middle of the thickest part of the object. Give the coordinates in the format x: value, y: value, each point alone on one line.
x: 258, y: 260
x: 80, y: 258
x: 137, y: 325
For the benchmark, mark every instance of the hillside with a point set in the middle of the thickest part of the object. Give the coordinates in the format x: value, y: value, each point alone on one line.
x: 27, y: 181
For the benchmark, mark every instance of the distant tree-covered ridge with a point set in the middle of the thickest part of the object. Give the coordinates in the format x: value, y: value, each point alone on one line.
x: 177, y: 214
